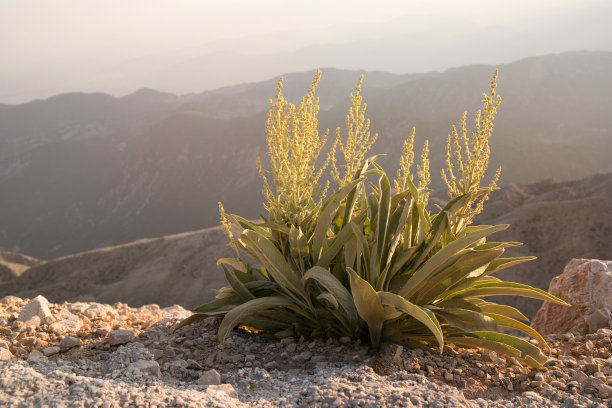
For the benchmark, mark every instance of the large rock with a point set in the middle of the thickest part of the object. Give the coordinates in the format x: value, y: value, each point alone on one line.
x: 587, y: 285
x: 37, y: 307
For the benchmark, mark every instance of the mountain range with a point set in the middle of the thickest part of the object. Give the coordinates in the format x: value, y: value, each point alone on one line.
x: 84, y: 171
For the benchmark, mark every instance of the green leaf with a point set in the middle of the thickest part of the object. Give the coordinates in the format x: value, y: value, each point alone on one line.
x: 239, y: 313
x: 513, y: 324
x: 333, y: 286
x: 368, y: 305
x: 470, y: 262
x: 466, y: 320
x: 237, y: 285
x: 509, y: 311
x: 218, y: 303
x: 329, y: 298
x: 345, y: 234
x: 196, y: 317
x: 363, y: 243
x: 421, y: 314
x: 233, y: 262
x: 510, y: 343
x: 507, y: 288
x: 384, y: 208
x: 503, y: 263
x: 327, y: 215
x: 425, y: 272
x: 275, y: 263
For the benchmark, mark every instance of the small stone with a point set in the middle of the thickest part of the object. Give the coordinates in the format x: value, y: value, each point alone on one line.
x: 580, y: 377
x: 39, y: 306
x: 5, y: 354
x: 210, y: 377
x: 345, y: 340
x: 97, y: 311
x: 49, y: 351
x: 147, y: 367
x: 291, y: 347
x: 226, y: 388
x: 491, y: 356
x: 36, y: 356
x: 69, y: 342
x: 66, y: 326
x: 117, y: 337
x: 538, y: 377
x: 448, y: 377
x: 605, y: 391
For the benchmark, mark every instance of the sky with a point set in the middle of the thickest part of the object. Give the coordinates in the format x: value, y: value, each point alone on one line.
x: 60, y: 38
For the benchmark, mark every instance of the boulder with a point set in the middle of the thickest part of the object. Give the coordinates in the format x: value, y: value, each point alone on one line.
x: 586, y: 284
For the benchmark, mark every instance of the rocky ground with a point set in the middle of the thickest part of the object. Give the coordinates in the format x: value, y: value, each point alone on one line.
x: 95, y: 355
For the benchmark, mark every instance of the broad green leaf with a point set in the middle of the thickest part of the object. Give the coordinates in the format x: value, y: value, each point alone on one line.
x: 275, y: 263
x: 363, y: 243
x: 233, y: 262
x: 402, y: 260
x: 505, y: 310
x: 466, y: 320
x: 196, y: 317
x: 524, y: 347
x: 218, y: 303
x: 507, y: 288
x: 345, y: 234
x: 248, y: 225
x: 329, y: 298
x: 423, y: 315
x: 327, y: 215
x: 496, y: 346
x: 333, y: 286
x: 397, y: 224
x: 384, y: 208
x: 352, y: 197
x: 503, y: 263
x: 513, y: 324
x: 239, y: 313
x: 471, y: 261
x: 428, y: 267
x: 368, y: 305
x: 237, y: 285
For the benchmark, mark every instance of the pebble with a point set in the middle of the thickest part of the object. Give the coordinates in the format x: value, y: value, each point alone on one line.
x: 161, y: 368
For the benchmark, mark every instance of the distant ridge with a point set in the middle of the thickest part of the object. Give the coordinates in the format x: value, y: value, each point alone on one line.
x: 84, y: 171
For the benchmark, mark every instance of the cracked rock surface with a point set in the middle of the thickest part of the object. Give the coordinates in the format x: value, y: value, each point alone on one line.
x: 117, y: 356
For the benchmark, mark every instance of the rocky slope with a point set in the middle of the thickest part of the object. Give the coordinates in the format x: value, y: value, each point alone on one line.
x: 176, y: 269
x: 91, y: 354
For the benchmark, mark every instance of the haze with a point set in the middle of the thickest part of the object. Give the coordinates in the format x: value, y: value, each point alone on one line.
x: 119, y: 46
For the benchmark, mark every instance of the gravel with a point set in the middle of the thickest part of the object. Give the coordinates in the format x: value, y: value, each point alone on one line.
x: 157, y: 367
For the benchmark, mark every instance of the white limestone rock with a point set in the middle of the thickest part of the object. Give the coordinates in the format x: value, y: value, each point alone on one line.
x: 37, y: 307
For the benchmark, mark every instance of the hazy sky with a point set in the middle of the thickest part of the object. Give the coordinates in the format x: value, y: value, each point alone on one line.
x: 50, y: 36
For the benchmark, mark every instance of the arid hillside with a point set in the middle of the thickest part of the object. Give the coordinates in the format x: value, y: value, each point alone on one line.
x: 555, y: 221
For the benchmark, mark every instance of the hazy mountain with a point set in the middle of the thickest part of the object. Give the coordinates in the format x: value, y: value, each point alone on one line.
x: 83, y: 171
x: 408, y: 43
x: 556, y: 222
